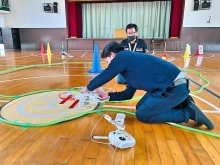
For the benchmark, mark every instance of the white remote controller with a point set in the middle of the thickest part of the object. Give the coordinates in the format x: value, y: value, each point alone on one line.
x: 119, y: 126
x: 120, y: 118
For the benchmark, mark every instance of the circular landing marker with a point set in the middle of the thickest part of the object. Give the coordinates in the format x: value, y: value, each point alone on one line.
x: 45, y: 108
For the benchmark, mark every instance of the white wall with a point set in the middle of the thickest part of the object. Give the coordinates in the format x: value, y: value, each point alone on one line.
x: 30, y: 14
x: 2, y: 24
x: 199, y: 18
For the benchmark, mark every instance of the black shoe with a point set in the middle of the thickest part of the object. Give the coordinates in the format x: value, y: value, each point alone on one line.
x: 200, y: 117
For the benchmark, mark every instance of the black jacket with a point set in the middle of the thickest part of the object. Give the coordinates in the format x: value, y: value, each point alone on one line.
x: 139, y: 46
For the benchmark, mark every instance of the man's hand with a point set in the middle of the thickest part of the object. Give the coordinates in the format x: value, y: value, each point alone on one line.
x: 84, y: 90
x: 103, y: 95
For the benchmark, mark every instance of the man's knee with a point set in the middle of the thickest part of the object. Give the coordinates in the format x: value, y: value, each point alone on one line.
x: 142, y: 117
x: 138, y: 105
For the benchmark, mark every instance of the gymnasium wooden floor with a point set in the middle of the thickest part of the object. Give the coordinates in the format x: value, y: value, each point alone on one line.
x: 69, y: 142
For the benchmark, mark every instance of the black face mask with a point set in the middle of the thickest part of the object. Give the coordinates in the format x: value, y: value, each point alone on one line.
x: 131, y: 38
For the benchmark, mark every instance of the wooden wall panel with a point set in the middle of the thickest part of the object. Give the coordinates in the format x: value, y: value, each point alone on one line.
x: 207, y: 36
x: 31, y: 39
x: 79, y: 44
x: 87, y: 44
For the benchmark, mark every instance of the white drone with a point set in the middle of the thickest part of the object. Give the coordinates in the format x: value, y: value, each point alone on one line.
x: 87, y: 100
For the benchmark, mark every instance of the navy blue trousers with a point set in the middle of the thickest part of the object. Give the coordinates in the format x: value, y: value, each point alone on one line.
x: 121, y: 79
x: 163, y: 107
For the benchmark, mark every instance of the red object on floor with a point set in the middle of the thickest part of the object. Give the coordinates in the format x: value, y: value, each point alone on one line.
x: 197, y: 53
x: 42, y: 52
x: 164, y: 55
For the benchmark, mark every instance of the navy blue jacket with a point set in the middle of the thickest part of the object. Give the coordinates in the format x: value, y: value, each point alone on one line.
x: 141, y: 71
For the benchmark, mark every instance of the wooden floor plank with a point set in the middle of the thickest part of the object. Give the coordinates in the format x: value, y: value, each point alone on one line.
x: 96, y: 125
x: 93, y: 150
x: 175, y: 149
x: 209, y: 148
x: 140, y: 148
x: 176, y: 152
x: 78, y: 155
x: 187, y: 150
x: 127, y: 155
x: 74, y: 144
x: 153, y: 156
x: 106, y: 154
x: 9, y: 132
x: 197, y: 148
x: 27, y: 163
x: 163, y: 148
x: 45, y: 144
x: 168, y: 133
x: 7, y: 141
x: 69, y: 149
x: 17, y: 152
x: 55, y: 152
x: 214, y: 120
x: 14, y: 146
x: 88, y: 162
x: 30, y: 151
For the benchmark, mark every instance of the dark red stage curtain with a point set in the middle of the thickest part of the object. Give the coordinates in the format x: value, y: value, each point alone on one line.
x: 75, y: 19
x: 176, y: 18
x: 79, y: 20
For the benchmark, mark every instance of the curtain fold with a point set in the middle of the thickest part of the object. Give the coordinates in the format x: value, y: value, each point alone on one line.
x: 177, y: 9
x: 101, y: 19
x: 75, y: 19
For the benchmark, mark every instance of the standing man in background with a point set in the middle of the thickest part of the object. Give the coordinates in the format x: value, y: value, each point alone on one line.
x: 132, y: 43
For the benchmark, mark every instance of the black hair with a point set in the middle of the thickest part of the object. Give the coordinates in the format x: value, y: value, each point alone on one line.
x: 111, y: 47
x: 131, y: 25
